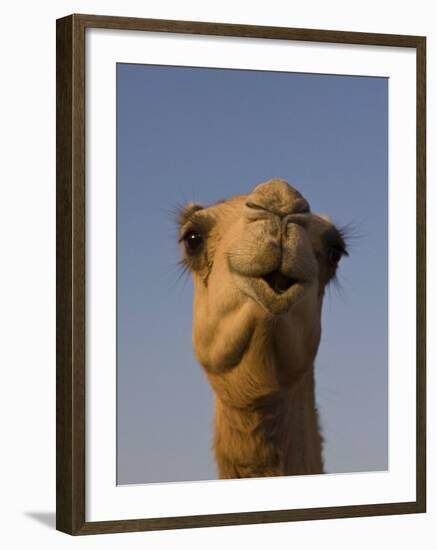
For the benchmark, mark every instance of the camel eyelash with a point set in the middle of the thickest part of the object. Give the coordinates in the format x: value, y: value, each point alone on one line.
x: 336, y: 240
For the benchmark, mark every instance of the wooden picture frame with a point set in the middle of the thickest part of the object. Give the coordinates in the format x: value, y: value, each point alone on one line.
x: 71, y: 283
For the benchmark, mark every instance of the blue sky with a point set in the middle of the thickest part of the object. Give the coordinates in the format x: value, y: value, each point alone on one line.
x: 205, y: 134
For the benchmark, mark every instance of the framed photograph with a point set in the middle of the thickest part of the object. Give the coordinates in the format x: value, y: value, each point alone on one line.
x: 240, y: 274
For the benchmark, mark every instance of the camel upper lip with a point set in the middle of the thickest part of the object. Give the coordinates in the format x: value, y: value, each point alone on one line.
x: 278, y: 281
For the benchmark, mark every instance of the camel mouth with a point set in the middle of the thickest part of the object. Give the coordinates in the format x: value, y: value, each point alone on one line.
x: 274, y: 291
x: 279, y: 282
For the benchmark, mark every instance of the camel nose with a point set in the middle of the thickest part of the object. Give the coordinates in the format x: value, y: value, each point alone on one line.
x: 277, y: 197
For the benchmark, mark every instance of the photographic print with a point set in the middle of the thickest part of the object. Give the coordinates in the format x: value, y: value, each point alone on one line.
x: 240, y: 274
x: 252, y: 321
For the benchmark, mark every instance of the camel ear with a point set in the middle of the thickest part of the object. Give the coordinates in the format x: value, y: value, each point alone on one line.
x: 185, y: 213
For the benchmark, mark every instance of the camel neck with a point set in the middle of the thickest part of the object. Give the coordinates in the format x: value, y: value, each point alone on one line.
x: 277, y: 435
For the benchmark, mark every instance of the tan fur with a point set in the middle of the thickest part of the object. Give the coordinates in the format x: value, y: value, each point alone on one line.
x: 256, y: 341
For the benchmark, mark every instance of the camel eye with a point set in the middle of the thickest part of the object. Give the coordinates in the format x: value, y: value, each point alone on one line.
x: 334, y: 256
x: 193, y: 241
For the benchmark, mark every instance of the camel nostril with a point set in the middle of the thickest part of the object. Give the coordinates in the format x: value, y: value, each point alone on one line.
x: 279, y: 282
x: 254, y: 206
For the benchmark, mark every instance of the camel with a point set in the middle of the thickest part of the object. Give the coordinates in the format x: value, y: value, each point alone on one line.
x: 260, y: 264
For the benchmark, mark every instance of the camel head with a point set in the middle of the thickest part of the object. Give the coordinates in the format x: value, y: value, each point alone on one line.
x: 260, y: 264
